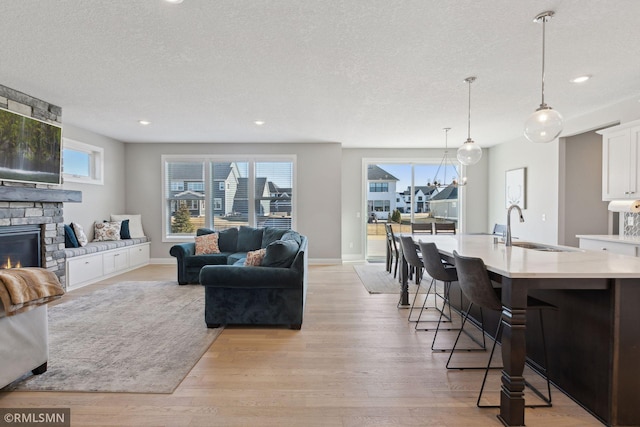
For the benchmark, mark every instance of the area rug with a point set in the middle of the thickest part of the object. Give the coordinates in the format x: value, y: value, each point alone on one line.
x: 377, y: 280
x: 133, y: 337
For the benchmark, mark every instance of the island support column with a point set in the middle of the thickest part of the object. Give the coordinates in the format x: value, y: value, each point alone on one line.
x: 514, y: 316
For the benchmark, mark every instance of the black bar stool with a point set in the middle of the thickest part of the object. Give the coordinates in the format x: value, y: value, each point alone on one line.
x: 475, y: 283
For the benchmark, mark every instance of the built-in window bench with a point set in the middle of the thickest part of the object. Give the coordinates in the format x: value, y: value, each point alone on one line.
x: 100, y: 260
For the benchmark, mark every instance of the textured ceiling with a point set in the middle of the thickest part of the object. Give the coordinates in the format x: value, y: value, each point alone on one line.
x: 365, y: 73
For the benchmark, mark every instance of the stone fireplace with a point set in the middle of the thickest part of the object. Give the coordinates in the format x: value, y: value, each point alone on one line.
x: 34, y: 209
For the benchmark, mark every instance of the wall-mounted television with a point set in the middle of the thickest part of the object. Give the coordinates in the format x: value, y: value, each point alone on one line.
x: 30, y: 149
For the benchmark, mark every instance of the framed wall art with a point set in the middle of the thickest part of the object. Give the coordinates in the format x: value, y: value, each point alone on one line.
x: 516, y: 188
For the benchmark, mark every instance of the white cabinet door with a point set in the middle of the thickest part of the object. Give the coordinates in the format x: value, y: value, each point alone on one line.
x: 139, y: 255
x: 620, y: 161
x: 84, y: 269
x: 115, y: 261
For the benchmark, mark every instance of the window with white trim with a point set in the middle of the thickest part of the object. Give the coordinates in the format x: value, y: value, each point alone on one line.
x: 82, y: 162
x: 256, y: 192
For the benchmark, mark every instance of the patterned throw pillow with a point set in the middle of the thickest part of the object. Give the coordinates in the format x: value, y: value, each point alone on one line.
x: 82, y: 238
x: 254, y: 258
x: 104, y: 231
x: 207, y: 244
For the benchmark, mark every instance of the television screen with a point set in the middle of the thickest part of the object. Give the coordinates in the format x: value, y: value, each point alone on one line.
x: 30, y: 149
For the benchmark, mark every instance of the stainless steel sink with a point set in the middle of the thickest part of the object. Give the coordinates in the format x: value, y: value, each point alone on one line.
x: 543, y: 248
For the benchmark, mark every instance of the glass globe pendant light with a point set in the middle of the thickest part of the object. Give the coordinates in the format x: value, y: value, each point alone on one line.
x: 545, y: 124
x: 470, y: 152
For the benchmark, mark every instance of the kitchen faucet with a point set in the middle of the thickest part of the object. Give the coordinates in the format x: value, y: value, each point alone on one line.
x: 508, y: 241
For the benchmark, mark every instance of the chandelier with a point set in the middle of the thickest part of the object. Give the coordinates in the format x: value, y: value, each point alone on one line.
x: 447, y: 163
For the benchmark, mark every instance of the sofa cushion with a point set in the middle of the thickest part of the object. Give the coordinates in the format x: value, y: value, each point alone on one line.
x: 233, y: 258
x: 207, y: 244
x: 292, y: 235
x: 254, y: 258
x: 204, y: 231
x: 280, y: 253
x: 249, y: 239
x: 209, y: 259
x: 70, y: 240
x: 228, y: 240
x: 104, y: 231
x: 79, y: 232
x: 135, y: 223
x: 270, y: 235
x: 124, y: 230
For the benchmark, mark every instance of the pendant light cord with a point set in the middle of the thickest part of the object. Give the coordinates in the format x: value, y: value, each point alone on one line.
x: 469, y: 116
x: 544, y: 22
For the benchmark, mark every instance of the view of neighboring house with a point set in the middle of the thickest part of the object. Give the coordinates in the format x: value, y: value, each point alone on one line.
x: 442, y: 203
x: 381, y: 192
x: 420, y: 200
x: 225, y: 177
x: 186, y: 187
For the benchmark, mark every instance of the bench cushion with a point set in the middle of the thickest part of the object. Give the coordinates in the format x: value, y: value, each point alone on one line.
x: 95, y: 247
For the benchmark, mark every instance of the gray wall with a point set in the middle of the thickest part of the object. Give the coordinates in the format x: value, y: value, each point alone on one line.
x: 582, y: 210
x: 98, y: 201
x: 318, y: 186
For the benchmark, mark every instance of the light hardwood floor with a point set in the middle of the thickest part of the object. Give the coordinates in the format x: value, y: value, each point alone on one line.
x: 356, y: 362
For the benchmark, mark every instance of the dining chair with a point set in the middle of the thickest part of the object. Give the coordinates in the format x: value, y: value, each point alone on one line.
x: 438, y: 271
x: 393, y: 252
x: 444, y: 227
x: 475, y: 283
x: 421, y: 227
x: 410, y: 254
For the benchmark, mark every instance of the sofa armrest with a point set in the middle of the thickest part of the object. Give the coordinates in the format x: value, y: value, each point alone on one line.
x: 183, y: 250
x: 247, y: 277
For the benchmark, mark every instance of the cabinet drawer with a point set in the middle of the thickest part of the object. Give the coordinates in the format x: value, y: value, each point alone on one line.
x: 84, y: 269
x: 139, y: 255
x: 617, y: 248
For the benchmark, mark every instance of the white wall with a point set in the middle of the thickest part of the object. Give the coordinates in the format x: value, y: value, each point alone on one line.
x: 98, y: 201
x: 318, y: 186
x: 354, y: 193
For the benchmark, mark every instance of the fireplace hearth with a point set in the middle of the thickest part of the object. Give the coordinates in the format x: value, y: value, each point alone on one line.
x: 20, y: 246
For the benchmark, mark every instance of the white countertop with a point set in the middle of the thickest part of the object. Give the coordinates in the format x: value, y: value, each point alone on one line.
x: 630, y: 240
x: 518, y: 262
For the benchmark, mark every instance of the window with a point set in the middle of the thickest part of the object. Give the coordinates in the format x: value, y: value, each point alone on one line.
x: 378, y: 187
x: 379, y: 206
x: 227, y: 193
x: 195, y: 186
x: 82, y: 162
x: 177, y: 186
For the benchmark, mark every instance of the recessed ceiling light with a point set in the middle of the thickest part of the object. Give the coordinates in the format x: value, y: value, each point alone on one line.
x: 580, y: 79
x: 144, y: 122
x: 259, y: 122
x: 174, y: 1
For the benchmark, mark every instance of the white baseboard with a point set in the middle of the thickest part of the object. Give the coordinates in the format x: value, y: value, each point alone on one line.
x: 168, y: 261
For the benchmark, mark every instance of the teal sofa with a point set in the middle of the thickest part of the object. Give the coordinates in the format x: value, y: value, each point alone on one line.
x: 234, y: 243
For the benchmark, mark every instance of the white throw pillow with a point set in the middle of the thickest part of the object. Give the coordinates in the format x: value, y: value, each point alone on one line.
x: 135, y: 224
x: 82, y: 238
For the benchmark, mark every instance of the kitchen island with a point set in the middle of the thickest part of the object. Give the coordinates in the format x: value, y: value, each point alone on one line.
x: 593, y: 338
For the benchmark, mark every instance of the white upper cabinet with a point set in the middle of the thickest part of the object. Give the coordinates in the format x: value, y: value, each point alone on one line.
x: 620, y: 161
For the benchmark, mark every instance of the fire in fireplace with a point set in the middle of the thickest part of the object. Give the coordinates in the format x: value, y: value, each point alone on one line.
x: 20, y: 246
